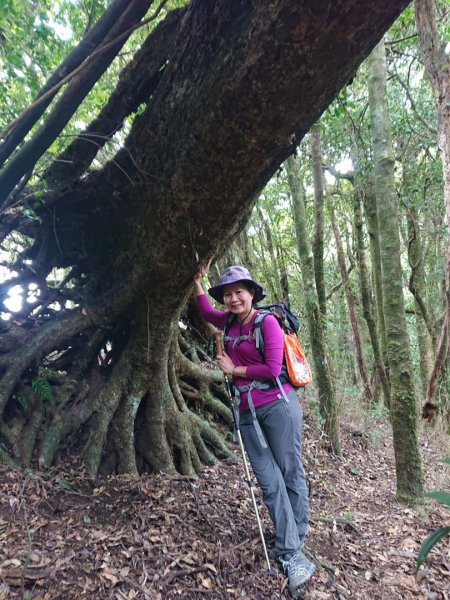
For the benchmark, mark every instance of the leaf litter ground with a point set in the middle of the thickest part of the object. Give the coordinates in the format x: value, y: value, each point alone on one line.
x: 64, y: 536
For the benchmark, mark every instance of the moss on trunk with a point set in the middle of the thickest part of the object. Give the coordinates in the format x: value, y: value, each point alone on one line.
x: 322, y: 371
x: 403, y: 398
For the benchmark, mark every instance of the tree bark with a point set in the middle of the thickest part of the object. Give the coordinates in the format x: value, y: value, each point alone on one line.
x: 318, y: 251
x: 417, y: 285
x: 350, y: 298
x: 437, y: 70
x: 403, y: 398
x: 270, y: 270
x: 321, y: 358
x: 367, y: 299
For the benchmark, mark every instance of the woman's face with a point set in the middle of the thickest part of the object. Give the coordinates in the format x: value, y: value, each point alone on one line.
x: 238, y: 299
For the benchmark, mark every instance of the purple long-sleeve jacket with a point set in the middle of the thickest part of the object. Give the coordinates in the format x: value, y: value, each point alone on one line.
x: 260, y: 368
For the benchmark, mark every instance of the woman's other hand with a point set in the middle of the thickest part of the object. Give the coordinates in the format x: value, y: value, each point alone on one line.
x: 225, y: 363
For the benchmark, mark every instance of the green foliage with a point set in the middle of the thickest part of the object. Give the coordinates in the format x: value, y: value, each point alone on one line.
x: 442, y: 497
x: 65, y: 484
x: 41, y: 386
x: 436, y: 536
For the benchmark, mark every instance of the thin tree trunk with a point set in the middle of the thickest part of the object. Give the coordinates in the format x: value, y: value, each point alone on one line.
x: 437, y: 69
x: 367, y: 299
x: 417, y: 285
x: 246, y: 251
x: 323, y: 377
x: 284, y: 277
x: 271, y: 271
x: 350, y: 298
x: 367, y: 195
x: 403, y: 398
x: 370, y: 211
x: 318, y: 251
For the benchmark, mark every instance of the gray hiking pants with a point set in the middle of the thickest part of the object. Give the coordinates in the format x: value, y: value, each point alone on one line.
x: 279, y: 470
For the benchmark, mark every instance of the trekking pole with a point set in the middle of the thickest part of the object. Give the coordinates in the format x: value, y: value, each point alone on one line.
x: 249, y: 481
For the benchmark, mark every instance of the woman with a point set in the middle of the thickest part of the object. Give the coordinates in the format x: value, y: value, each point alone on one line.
x: 271, y: 431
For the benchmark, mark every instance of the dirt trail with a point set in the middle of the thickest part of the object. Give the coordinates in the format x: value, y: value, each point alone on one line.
x: 63, y: 536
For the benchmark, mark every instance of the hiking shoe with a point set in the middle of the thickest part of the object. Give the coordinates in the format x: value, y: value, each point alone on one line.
x: 298, y: 569
x: 272, y: 553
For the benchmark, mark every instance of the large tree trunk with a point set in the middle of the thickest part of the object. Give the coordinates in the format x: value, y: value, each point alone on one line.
x: 321, y: 356
x: 224, y: 91
x: 403, y: 398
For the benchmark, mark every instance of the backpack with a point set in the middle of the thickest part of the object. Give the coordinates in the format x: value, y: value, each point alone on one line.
x: 296, y: 369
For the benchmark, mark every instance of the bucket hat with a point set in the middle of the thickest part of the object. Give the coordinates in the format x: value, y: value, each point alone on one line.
x: 233, y: 275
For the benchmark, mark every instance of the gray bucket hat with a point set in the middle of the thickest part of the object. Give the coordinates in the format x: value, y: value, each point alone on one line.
x: 233, y: 275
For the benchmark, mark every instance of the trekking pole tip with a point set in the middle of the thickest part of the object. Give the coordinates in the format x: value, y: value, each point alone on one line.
x: 271, y: 572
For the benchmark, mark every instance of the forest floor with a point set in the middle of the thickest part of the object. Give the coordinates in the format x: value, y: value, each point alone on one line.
x: 64, y: 536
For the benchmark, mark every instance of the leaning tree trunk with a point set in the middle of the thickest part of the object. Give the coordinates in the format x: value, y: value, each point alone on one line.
x: 321, y: 357
x: 403, y: 398
x: 222, y: 93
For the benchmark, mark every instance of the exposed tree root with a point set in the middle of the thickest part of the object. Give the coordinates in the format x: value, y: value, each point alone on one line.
x: 111, y: 417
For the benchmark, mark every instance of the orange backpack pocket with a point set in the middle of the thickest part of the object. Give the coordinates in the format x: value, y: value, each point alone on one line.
x: 298, y: 369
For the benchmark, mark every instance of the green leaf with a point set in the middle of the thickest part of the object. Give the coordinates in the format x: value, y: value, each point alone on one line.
x: 442, y: 497
x: 41, y: 388
x: 66, y: 485
x: 430, y: 543
x: 446, y: 461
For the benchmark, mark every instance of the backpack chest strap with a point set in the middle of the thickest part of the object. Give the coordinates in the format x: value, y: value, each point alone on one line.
x: 255, y: 335
x: 237, y: 339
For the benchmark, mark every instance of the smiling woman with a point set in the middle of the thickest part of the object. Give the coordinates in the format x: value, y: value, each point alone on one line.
x: 270, y: 414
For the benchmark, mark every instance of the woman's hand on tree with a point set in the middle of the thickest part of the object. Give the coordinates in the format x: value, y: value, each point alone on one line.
x: 198, y: 277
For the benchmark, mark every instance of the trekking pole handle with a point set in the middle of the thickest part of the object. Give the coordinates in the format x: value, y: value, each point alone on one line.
x: 218, y: 342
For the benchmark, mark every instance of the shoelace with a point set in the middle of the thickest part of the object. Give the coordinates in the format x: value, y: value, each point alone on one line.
x: 298, y: 569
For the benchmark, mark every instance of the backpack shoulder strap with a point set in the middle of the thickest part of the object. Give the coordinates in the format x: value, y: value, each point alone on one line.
x: 257, y: 326
x: 227, y: 338
x: 228, y: 324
